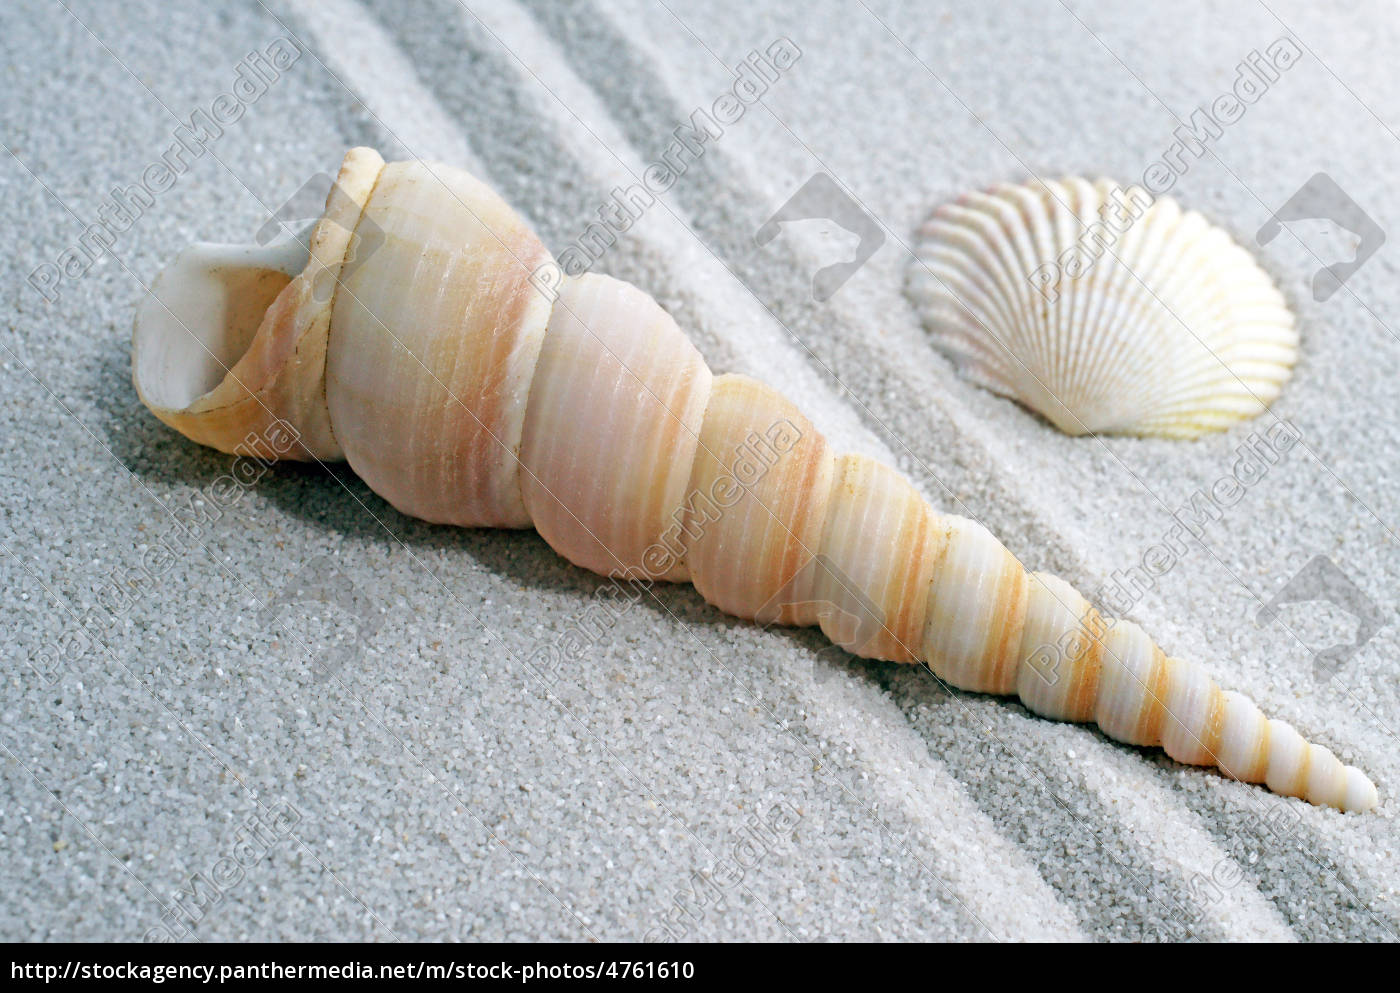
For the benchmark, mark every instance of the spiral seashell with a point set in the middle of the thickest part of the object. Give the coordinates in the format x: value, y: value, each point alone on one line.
x: 463, y: 395
x: 1102, y: 309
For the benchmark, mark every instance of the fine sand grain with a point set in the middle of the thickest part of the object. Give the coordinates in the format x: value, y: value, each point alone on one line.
x: 433, y: 787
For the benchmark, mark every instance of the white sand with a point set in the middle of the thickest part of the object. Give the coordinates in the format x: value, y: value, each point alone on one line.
x: 442, y: 791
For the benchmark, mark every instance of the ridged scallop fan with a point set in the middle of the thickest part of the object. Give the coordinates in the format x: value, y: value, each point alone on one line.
x: 1102, y: 309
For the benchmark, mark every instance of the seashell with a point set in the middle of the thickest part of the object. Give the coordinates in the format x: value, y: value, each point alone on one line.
x: 462, y: 394
x: 1102, y: 309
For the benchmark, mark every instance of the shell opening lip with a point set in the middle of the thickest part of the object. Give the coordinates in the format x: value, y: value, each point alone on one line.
x: 202, y: 312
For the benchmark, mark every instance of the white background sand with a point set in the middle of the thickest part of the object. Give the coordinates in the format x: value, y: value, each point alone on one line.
x: 443, y: 791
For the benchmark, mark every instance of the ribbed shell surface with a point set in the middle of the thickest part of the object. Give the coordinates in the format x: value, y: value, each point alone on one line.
x: 433, y: 345
x: 760, y: 486
x: 1102, y: 309
x: 611, y: 430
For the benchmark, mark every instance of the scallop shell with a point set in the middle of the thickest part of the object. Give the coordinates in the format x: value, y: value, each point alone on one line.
x: 1102, y: 309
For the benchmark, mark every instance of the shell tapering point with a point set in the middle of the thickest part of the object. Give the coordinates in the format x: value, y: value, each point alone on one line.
x: 410, y: 341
